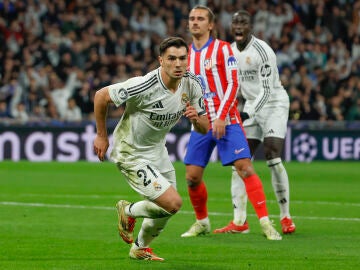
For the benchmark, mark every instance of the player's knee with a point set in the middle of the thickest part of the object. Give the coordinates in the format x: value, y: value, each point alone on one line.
x: 174, y: 205
x: 192, y: 181
x: 272, y: 151
x: 269, y: 155
x: 244, y: 168
x: 193, y: 176
x: 273, y: 162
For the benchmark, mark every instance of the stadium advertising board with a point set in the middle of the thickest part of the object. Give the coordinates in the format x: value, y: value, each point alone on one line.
x: 69, y: 144
x: 309, y: 145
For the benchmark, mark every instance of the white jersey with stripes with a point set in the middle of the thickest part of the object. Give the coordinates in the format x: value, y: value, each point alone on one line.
x: 258, y: 75
x: 151, y: 111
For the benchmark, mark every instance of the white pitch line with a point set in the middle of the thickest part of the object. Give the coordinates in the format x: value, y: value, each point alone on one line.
x: 98, y: 196
x: 181, y: 211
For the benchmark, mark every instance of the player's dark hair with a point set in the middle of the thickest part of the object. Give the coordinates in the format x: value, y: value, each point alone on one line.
x: 242, y: 12
x: 176, y: 42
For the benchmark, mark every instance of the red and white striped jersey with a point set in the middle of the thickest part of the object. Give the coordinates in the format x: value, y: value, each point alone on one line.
x: 216, y: 67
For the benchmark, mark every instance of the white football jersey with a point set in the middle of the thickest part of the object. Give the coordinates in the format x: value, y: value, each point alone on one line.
x: 258, y: 74
x: 151, y: 111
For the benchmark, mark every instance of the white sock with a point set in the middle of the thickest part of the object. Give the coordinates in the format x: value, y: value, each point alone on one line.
x: 280, y: 183
x: 204, y: 221
x: 150, y: 229
x: 239, y: 198
x: 146, y: 209
x: 264, y: 219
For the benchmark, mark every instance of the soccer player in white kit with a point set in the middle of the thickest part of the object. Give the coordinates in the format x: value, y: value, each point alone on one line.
x: 267, y: 109
x: 154, y: 104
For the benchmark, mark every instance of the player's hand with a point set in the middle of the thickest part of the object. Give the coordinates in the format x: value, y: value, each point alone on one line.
x: 191, y: 113
x: 244, y: 116
x: 218, y: 128
x: 101, y: 144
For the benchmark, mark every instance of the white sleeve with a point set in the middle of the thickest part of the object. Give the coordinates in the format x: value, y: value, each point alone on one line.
x: 118, y: 93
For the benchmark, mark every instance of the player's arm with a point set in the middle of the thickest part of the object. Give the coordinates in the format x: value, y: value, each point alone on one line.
x: 230, y: 94
x: 200, y: 122
x: 101, y: 101
x: 232, y: 83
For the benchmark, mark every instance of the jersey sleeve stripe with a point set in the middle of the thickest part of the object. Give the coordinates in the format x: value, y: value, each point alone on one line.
x: 265, y: 97
x: 143, y: 86
x: 261, y: 51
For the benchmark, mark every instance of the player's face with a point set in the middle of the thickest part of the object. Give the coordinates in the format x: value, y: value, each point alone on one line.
x: 199, y: 24
x: 241, y: 28
x: 174, y: 62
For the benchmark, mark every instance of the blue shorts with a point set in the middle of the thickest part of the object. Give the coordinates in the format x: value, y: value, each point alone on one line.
x: 231, y: 147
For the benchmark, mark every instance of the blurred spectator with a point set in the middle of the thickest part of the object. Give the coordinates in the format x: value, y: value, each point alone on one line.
x: 19, y: 114
x: 73, y: 112
x: 354, y: 112
x: 4, y: 112
x: 52, y: 51
x: 61, y: 92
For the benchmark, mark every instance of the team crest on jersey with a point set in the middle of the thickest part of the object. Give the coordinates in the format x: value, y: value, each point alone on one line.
x: 208, y: 63
x: 231, y: 62
x: 184, y: 98
x: 157, y: 186
x: 123, y: 94
x: 247, y: 60
x: 265, y: 70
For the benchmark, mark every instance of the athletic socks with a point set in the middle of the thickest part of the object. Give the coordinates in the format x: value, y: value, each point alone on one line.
x: 280, y: 183
x: 198, y: 197
x: 150, y: 228
x: 256, y: 195
x: 238, y: 197
x: 146, y: 209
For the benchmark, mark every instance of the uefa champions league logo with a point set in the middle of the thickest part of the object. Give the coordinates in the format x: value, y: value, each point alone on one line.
x: 305, y: 147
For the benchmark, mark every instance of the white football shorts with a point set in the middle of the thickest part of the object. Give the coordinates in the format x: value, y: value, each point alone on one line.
x: 271, y: 121
x: 148, y: 181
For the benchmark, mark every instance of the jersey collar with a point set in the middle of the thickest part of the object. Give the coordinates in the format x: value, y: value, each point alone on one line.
x: 206, y: 44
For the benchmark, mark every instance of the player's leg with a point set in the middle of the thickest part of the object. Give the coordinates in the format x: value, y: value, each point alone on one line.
x: 197, y: 156
x: 151, y: 227
x: 274, y: 133
x: 279, y: 178
x: 165, y: 205
x: 239, y: 201
x: 256, y: 195
x: 238, y: 194
x: 238, y: 191
x: 162, y: 201
x: 239, y: 157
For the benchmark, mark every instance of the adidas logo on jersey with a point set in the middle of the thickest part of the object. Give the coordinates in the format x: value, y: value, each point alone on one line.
x: 158, y: 105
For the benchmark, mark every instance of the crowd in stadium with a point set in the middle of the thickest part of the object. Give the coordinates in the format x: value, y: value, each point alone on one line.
x: 55, y: 54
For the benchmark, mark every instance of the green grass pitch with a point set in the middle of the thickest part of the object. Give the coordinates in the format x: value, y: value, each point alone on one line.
x: 63, y: 216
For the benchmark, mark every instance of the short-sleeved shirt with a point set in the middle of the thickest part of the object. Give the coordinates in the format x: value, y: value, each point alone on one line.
x: 258, y: 75
x: 151, y: 111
